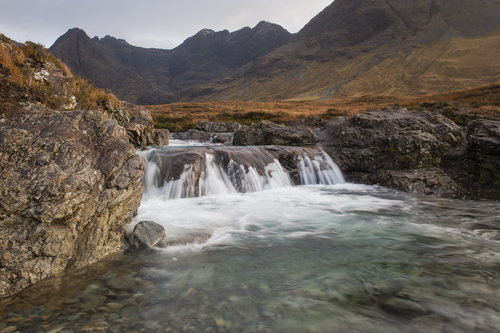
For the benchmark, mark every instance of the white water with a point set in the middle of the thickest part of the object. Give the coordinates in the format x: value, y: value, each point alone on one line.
x: 222, y: 210
x: 269, y: 216
x: 204, y: 174
x: 254, y: 254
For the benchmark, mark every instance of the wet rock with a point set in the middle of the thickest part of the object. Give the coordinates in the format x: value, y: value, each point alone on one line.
x: 146, y: 234
x: 395, y: 147
x: 71, y: 181
x: 429, y: 323
x: 99, y: 326
x: 403, y: 307
x: 269, y: 133
x: 481, y: 159
x: 417, y: 151
x: 114, y: 306
x: 221, y: 138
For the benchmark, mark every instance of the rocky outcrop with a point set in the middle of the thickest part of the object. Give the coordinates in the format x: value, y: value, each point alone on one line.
x: 268, y: 133
x: 71, y: 181
x: 193, y: 134
x: 146, y: 234
x: 139, y: 125
x: 210, y: 131
x: 417, y: 151
x: 218, y: 126
x: 478, y: 165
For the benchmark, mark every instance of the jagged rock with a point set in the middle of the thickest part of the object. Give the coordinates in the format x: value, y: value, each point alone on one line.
x: 269, y: 133
x: 217, y: 126
x: 146, y: 234
x: 417, y: 151
x: 139, y: 125
x: 478, y: 165
x: 71, y: 181
x: 219, y: 138
x: 394, y: 147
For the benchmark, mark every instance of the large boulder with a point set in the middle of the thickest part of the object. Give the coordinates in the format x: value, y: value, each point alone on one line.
x: 269, y: 133
x: 417, y: 151
x: 71, y: 182
x: 395, y: 147
x: 480, y: 162
x: 146, y: 234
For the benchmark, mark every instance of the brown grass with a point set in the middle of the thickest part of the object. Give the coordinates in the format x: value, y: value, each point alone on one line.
x: 181, y: 116
x: 18, y: 64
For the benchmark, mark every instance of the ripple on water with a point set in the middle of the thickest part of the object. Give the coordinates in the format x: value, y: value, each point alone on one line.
x: 298, y: 259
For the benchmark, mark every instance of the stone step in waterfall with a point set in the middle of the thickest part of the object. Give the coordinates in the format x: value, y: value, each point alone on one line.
x: 181, y: 172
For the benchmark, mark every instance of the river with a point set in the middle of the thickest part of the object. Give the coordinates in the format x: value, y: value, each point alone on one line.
x: 272, y: 257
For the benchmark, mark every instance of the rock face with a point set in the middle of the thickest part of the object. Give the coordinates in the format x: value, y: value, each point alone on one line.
x: 71, y: 178
x: 146, y: 234
x: 139, y: 125
x: 269, y: 133
x: 417, y: 151
x: 479, y: 162
x: 71, y: 181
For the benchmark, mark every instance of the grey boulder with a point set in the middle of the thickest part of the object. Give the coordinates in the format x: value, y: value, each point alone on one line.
x: 146, y: 234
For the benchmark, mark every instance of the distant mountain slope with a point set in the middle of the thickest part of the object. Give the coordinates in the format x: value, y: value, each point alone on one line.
x: 154, y: 76
x: 383, y: 47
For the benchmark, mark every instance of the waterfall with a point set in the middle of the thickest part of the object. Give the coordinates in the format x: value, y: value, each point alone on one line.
x: 181, y: 172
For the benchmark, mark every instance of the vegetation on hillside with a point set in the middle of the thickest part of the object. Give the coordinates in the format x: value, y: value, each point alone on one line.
x: 458, y: 106
x: 30, y: 75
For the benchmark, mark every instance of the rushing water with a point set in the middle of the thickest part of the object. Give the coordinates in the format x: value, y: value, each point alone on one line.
x: 316, y: 258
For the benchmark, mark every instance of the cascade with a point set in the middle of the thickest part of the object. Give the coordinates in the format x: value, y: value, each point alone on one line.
x: 181, y: 172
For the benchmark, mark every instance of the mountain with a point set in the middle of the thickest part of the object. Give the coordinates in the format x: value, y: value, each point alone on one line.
x: 352, y: 48
x: 155, y: 76
x: 380, y: 47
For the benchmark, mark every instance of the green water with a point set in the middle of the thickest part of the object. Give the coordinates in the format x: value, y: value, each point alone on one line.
x: 342, y: 258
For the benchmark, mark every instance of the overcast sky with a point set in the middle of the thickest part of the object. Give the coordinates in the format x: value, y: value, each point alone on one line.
x: 147, y: 23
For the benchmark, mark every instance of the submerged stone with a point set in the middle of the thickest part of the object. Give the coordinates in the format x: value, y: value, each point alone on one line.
x: 403, y: 307
x: 146, y: 234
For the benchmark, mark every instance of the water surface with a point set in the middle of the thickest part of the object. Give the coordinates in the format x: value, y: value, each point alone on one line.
x: 324, y: 258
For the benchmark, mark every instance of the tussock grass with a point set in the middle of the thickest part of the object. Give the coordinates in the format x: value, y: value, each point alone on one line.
x: 21, y: 63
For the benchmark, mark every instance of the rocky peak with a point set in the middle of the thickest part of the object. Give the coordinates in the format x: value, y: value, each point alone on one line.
x: 73, y: 34
x: 110, y: 40
x: 264, y: 26
x: 205, y: 32
x: 154, y: 76
x: 349, y: 22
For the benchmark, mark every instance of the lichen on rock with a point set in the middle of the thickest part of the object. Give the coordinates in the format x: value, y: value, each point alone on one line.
x: 71, y: 182
x: 417, y: 151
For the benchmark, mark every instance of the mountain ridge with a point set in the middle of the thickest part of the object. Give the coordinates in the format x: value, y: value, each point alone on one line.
x: 339, y: 50
x: 352, y: 47
x: 141, y: 75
